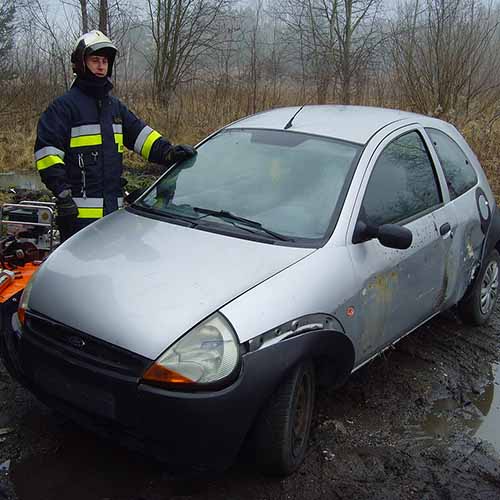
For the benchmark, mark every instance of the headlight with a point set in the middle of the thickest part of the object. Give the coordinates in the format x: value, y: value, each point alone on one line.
x: 207, y: 354
x: 25, y: 298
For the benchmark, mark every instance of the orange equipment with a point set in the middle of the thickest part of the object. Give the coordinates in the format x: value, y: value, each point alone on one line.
x: 28, y: 235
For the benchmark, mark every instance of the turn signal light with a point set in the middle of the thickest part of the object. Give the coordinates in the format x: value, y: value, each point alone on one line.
x: 158, y: 373
x: 23, y: 303
x: 21, y: 314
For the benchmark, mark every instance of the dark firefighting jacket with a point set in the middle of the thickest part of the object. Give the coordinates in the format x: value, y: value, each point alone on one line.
x: 79, y: 145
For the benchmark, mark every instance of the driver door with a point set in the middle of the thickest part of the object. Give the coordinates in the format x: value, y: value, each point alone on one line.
x: 399, y: 288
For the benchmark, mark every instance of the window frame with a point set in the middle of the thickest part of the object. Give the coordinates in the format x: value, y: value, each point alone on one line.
x: 379, y: 149
x: 470, y: 163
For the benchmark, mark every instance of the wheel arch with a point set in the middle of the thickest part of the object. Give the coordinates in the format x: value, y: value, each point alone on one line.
x: 319, y: 337
x: 491, y: 229
x: 272, y: 356
x: 492, y: 240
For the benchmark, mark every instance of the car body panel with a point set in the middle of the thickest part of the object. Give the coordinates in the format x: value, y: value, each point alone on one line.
x: 398, y: 288
x: 316, y: 284
x: 466, y: 246
x: 340, y: 122
x: 141, y: 283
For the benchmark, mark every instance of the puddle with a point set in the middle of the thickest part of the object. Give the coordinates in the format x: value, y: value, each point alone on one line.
x: 21, y: 181
x: 84, y: 468
x: 478, y: 415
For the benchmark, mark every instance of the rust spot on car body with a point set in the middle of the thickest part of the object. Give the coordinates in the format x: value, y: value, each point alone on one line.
x: 376, y: 297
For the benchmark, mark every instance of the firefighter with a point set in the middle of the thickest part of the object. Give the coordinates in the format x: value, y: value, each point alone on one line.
x: 81, y: 135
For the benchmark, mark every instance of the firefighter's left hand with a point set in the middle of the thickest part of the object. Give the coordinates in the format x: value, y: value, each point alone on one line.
x: 179, y: 153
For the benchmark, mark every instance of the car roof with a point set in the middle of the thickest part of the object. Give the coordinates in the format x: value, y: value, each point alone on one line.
x: 350, y: 123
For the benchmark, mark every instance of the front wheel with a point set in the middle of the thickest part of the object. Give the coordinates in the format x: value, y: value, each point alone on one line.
x: 477, y: 308
x: 282, y: 430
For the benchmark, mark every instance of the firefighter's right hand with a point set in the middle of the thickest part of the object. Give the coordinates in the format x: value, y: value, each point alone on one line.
x: 66, y: 206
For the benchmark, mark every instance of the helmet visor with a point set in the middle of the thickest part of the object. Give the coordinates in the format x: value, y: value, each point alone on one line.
x: 110, y: 48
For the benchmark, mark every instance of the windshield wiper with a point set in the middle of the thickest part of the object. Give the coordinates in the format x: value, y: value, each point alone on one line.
x: 224, y: 214
x: 164, y: 213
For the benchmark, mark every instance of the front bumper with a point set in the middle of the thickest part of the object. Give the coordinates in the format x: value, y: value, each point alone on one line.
x: 200, y: 430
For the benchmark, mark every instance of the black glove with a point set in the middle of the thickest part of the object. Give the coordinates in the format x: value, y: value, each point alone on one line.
x: 67, y: 213
x: 179, y: 153
x: 66, y: 207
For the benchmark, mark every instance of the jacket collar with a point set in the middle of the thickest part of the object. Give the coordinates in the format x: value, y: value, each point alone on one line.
x: 94, y: 86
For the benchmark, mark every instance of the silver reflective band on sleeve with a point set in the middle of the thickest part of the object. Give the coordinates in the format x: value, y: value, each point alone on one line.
x: 47, y: 151
x: 85, y: 130
x: 89, y: 202
x: 90, y: 208
x: 141, y: 139
x: 117, y: 128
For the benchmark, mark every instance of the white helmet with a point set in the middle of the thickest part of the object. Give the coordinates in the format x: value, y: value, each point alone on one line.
x: 90, y: 43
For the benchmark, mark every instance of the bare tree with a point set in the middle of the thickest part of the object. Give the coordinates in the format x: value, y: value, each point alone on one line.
x: 444, y: 53
x: 85, y: 16
x: 183, y: 31
x: 313, y: 42
x: 7, y: 11
x: 337, y: 39
x: 276, y: 60
x: 355, y: 23
x: 253, y: 53
x: 49, y: 37
x: 103, y: 16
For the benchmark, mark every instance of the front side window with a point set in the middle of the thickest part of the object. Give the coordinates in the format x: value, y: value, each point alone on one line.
x: 459, y: 173
x: 284, y: 182
x: 402, y: 184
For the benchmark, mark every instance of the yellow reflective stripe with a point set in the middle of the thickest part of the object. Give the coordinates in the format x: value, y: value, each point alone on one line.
x: 119, y: 142
x: 85, y: 140
x: 90, y: 213
x: 148, y: 144
x: 48, y: 161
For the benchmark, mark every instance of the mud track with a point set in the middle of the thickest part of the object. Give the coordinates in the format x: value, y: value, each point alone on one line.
x: 367, y: 438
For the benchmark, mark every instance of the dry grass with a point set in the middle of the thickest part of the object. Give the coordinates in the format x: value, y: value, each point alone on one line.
x: 16, y: 150
x: 195, y: 113
x: 483, y: 135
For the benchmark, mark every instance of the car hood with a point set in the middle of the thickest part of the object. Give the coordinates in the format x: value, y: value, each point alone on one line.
x: 141, y: 283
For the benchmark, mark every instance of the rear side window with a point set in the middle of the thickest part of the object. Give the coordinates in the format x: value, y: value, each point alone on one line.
x: 459, y: 173
x: 403, y: 183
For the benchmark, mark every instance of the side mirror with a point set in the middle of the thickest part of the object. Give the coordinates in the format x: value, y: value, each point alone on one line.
x: 395, y: 236
x: 389, y: 235
x: 129, y: 198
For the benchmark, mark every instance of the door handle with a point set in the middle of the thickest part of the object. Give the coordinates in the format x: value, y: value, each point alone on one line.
x: 445, y: 229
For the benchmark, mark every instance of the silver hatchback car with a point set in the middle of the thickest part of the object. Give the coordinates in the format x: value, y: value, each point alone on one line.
x: 297, y: 245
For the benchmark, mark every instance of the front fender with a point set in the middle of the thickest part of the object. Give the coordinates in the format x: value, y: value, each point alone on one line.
x: 330, y: 349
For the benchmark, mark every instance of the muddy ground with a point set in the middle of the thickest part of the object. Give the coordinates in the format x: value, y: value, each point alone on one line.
x: 369, y: 438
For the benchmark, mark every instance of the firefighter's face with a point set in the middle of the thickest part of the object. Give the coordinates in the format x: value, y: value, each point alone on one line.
x: 97, y: 64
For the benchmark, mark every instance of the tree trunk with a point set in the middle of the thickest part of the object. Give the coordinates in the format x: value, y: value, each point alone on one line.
x: 103, y: 16
x: 85, y: 16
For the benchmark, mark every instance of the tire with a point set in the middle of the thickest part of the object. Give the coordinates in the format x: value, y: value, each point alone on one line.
x: 4, y: 352
x: 281, y: 433
x: 477, y: 307
x: 9, y: 360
